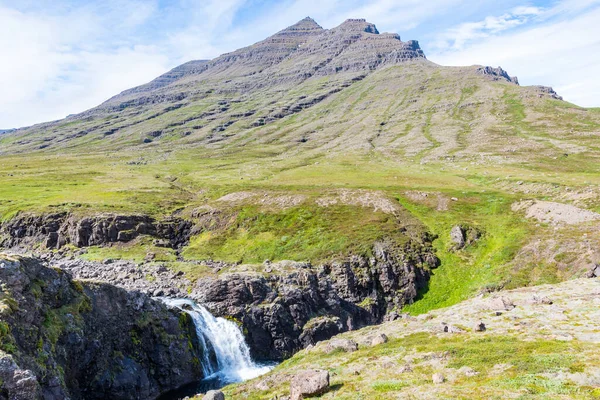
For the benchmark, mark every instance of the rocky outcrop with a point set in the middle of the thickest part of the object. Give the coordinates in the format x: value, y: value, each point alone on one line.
x: 287, y: 311
x: 497, y: 74
x: 464, y: 235
x: 56, y: 230
x: 547, y: 91
x: 153, y: 279
x: 61, y: 338
x: 214, y: 395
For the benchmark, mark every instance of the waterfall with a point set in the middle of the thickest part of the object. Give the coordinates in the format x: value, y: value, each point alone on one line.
x: 225, y: 354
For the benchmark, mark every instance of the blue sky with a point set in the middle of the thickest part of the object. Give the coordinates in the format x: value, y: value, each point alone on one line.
x: 65, y: 56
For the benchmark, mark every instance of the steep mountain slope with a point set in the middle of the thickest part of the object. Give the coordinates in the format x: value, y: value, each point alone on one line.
x: 247, y: 87
x: 315, y: 145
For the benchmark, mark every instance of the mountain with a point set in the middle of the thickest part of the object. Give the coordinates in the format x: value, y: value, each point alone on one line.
x: 417, y: 109
x: 313, y: 120
x: 316, y: 182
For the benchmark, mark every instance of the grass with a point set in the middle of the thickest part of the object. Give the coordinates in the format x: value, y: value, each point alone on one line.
x: 136, y: 250
x: 302, y: 233
x: 529, y: 365
x: 385, y: 386
x: 482, y: 264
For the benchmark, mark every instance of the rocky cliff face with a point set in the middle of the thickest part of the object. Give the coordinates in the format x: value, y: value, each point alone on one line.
x: 56, y: 230
x: 291, y: 305
x: 287, y: 311
x: 497, y: 74
x: 61, y: 338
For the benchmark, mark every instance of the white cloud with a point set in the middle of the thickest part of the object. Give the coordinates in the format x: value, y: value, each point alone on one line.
x: 559, y: 52
x: 400, y: 15
x: 458, y: 37
x: 54, y: 65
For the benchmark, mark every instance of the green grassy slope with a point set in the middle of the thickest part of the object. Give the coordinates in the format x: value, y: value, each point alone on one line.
x: 448, y: 132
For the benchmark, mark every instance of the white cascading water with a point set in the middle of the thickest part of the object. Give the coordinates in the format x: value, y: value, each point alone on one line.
x: 225, y: 352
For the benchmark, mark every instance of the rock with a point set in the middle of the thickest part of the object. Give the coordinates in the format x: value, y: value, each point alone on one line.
x: 407, y: 368
x: 451, y: 328
x: 391, y: 316
x: 547, y: 91
x: 321, y: 328
x: 594, y: 271
x: 497, y: 74
x: 479, y: 327
x: 463, y: 235
x: 346, y: 294
x: 467, y: 371
x: 438, y: 378
x: 457, y: 236
x: 16, y: 383
x: 309, y: 383
x: 346, y: 345
x: 500, y: 303
x: 214, y: 395
x: 379, y: 339
x: 540, y: 300
x: 58, y: 229
x: 146, y: 278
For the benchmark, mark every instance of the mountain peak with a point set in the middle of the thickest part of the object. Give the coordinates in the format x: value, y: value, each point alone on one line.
x: 358, y: 25
x: 306, y: 24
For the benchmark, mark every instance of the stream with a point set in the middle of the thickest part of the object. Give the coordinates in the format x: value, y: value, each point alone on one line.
x: 226, y: 355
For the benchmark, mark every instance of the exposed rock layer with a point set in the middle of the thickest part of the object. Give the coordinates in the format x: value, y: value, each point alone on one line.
x: 285, y: 312
x: 295, y: 304
x: 59, y: 229
x: 81, y: 340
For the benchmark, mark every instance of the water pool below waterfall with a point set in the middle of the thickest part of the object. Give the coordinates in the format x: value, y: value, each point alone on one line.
x: 226, y: 355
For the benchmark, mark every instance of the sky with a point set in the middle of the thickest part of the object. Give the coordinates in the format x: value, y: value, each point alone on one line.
x: 60, y: 57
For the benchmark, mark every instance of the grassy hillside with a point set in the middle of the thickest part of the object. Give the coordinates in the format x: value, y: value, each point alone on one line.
x: 448, y: 145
